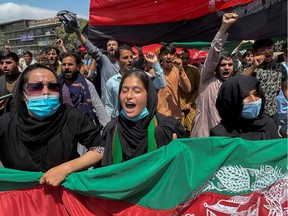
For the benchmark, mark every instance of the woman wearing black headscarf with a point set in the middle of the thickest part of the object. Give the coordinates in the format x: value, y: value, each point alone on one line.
x: 139, y: 128
x: 41, y: 134
x: 240, y: 104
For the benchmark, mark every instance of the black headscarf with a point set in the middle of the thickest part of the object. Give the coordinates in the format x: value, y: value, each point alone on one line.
x: 33, y: 145
x: 33, y: 130
x: 229, y: 104
x: 134, y: 135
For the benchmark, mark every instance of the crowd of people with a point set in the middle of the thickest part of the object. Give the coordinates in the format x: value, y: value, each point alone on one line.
x: 68, y: 110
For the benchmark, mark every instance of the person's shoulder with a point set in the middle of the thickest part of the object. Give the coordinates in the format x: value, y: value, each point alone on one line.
x: 166, y: 120
x: 109, y: 128
x: 114, y: 78
x: 193, y: 67
x: 7, y: 118
x: 218, y: 130
x: 90, y: 84
x: 72, y: 111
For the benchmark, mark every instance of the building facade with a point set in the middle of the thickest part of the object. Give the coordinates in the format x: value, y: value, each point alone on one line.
x: 32, y: 35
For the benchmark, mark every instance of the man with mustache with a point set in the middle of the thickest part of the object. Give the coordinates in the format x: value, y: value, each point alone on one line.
x: 80, y: 92
x: 9, y: 62
x: 52, y: 54
x: 217, y: 68
x: 107, y: 65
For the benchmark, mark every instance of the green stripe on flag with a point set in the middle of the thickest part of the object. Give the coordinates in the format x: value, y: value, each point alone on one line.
x: 167, y: 177
x: 15, y: 179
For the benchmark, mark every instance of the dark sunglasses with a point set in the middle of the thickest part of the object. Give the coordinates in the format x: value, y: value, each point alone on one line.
x: 36, y: 88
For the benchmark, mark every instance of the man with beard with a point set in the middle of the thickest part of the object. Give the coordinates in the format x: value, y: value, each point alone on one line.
x: 270, y: 74
x: 80, y: 92
x: 217, y: 68
x: 107, y: 65
x: 124, y: 56
x: 53, y: 56
x: 9, y: 63
x: 176, y: 79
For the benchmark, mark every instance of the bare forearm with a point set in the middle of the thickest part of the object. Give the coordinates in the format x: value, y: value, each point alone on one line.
x: 249, y: 71
x: 87, y: 160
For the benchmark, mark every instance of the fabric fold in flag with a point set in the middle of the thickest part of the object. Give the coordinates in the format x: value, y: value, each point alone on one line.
x: 146, y: 22
x: 200, y: 176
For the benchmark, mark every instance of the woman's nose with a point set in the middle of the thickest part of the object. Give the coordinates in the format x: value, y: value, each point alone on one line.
x: 45, y: 90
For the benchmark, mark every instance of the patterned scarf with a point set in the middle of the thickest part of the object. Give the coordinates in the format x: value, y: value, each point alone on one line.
x: 80, y: 95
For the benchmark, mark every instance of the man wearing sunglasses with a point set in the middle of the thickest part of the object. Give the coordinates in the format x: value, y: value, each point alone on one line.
x: 9, y: 62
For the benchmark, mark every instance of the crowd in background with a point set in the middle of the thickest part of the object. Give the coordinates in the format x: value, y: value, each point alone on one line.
x: 127, y: 94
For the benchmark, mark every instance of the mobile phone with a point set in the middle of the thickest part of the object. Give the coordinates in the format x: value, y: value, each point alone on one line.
x: 5, y: 96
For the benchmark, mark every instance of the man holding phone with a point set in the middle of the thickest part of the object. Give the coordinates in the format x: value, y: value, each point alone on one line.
x: 9, y: 62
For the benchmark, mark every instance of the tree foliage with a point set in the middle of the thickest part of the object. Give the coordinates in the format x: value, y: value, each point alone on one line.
x: 69, y: 39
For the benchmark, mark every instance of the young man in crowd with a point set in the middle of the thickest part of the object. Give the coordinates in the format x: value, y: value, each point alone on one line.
x: 217, y: 68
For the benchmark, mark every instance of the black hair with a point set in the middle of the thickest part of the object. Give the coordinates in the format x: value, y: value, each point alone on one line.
x: 224, y: 56
x: 168, y: 48
x: 121, y: 48
x: 74, y: 55
x: 184, y: 50
x: 248, y: 52
x: 262, y: 43
x: 51, y: 48
x: 140, y: 74
x: 28, y: 53
x: 10, y: 54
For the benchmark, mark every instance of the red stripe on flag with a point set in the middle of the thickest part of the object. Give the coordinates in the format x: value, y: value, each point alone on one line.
x: 58, y: 201
x: 131, y: 12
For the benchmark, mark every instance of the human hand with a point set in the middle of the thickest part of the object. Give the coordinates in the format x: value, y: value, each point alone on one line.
x: 247, y: 41
x: 59, y: 42
x: 229, y: 18
x: 258, y: 60
x: 187, y: 106
x: 174, y: 136
x: 151, y: 57
x: 56, y: 175
x: 179, y: 65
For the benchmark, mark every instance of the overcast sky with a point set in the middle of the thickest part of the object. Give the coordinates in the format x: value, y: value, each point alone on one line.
x: 33, y: 9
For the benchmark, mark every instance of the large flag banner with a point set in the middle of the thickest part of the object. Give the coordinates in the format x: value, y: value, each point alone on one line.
x: 145, y: 22
x: 202, y: 176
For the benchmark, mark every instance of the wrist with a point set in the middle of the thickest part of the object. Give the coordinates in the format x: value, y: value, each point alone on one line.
x: 181, y: 70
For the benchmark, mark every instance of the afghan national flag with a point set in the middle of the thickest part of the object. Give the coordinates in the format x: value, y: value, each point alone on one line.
x: 145, y: 22
x: 201, y: 176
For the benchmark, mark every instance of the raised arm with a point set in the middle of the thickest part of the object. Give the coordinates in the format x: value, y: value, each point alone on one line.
x: 61, y: 45
x: 257, y: 61
x: 217, y: 44
x: 159, y: 80
x: 184, y: 82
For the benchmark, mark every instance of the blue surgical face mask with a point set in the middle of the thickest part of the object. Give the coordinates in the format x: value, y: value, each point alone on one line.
x: 43, y: 106
x: 251, y: 109
x: 143, y: 114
